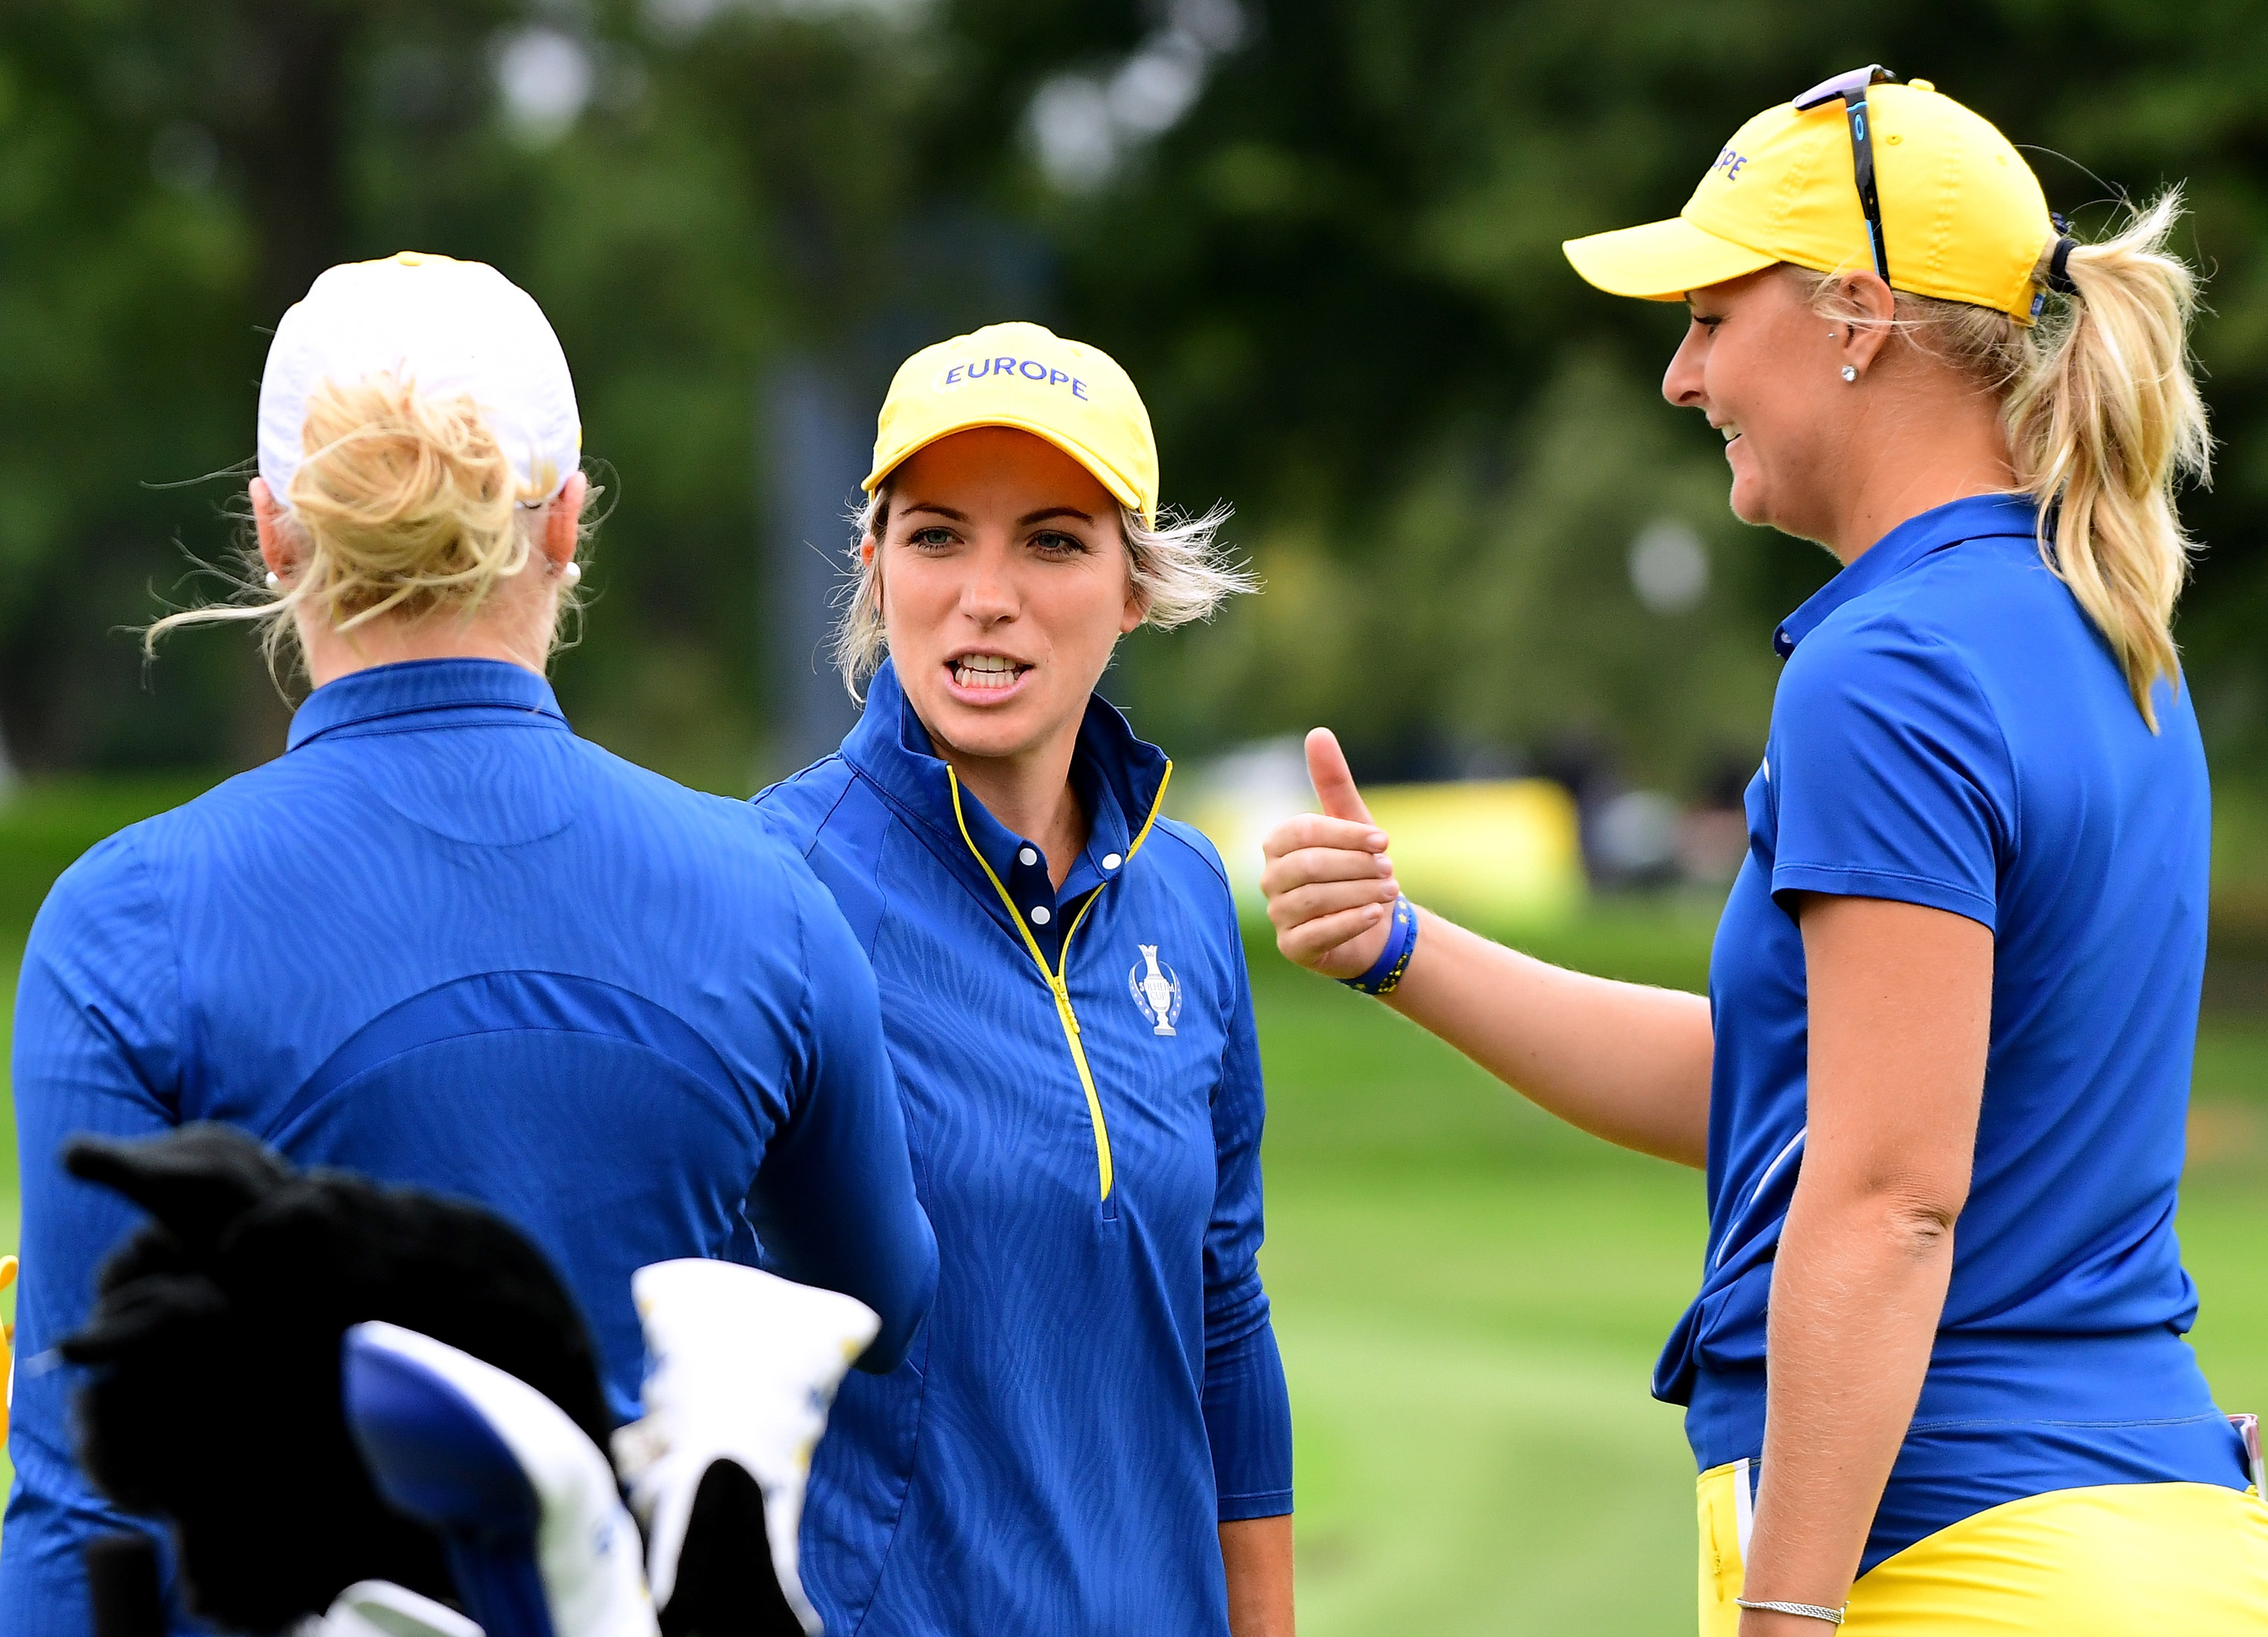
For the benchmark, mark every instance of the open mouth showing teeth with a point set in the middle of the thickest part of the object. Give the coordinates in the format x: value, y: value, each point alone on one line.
x: 986, y: 671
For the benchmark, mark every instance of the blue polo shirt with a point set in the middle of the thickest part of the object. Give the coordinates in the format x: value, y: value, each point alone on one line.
x: 1952, y: 730
x: 442, y: 941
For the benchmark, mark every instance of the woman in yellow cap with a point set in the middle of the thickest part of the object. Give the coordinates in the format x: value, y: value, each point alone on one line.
x: 1091, y: 1435
x: 1935, y: 1376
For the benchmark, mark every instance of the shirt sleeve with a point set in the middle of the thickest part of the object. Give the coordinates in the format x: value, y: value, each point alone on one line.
x: 1247, y: 1409
x: 97, y: 1048
x: 834, y: 1203
x: 1889, y: 776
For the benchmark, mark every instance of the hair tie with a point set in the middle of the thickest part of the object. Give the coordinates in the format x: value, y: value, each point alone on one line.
x: 2058, y: 274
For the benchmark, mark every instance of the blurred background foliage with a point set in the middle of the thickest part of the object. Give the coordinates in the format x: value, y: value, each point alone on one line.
x: 1324, y: 237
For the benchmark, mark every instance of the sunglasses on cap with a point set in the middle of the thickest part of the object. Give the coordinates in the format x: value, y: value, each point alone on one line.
x: 1852, y: 88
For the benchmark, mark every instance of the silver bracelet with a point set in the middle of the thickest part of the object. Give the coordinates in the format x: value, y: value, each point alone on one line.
x: 1809, y: 1610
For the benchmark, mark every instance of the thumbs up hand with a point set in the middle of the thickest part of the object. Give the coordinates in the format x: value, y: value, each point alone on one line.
x: 1330, y: 884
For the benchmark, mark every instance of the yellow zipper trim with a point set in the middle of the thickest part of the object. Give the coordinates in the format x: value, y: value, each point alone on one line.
x: 1056, y: 985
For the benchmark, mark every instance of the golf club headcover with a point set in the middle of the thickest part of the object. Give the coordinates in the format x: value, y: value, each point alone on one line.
x: 378, y: 1608
x: 123, y: 1592
x: 743, y: 1366
x: 523, y: 1501
x: 214, y: 1346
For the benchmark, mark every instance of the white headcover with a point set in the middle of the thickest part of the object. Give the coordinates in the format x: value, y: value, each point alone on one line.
x: 744, y: 1367
x: 451, y: 327
x: 378, y: 1608
x: 587, y: 1552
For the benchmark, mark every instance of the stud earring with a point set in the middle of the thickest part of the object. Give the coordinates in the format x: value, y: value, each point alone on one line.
x: 272, y: 581
x: 1850, y: 372
x: 572, y: 573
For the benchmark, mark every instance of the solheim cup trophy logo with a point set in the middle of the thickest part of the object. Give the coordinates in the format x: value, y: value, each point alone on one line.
x: 1157, y: 991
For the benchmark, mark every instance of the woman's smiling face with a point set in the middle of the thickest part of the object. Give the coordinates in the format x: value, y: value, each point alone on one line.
x: 1768, y: 373
x: 1004, y: 586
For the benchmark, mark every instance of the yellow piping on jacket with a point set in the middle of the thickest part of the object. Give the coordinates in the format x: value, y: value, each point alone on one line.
x: 1056, y: 985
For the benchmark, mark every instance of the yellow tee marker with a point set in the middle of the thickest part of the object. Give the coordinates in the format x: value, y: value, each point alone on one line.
x: 8, y: 1266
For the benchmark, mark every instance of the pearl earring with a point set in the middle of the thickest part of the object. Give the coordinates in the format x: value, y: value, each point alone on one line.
x: 572, y: 573
x: 1849, y: 371
x: 272, y: 581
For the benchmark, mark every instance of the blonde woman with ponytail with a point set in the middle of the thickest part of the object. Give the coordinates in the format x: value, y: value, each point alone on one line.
x: 441, y: 941
x: 1934, y: 1377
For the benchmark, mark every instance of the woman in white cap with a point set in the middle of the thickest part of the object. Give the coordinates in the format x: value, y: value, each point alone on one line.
x: 1935, y: 1376
x: 1092, y: 1434
x: 442, y: 941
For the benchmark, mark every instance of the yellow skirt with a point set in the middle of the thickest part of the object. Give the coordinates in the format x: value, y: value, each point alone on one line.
x: 2110, y: 1562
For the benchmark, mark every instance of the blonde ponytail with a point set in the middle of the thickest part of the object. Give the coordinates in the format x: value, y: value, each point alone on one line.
x: 2103, y: 422
x: 403, y: 503
x: 2103, y: 419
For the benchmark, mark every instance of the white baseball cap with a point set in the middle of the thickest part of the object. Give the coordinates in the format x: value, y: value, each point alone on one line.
x: 451, y: 327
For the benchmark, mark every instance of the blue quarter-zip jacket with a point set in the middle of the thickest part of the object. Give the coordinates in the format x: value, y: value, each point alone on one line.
x: 1098, y: 1386
x: 442, y: 941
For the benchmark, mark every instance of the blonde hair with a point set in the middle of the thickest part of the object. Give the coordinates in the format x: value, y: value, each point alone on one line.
x: 1177, y: 567
x: 404, y: 503
x: 2103, y: 418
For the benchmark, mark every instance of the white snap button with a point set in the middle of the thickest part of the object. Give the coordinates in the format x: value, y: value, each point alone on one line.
x: 1039, y: 914
x: 1028, y: 856
x: 1111, y: 860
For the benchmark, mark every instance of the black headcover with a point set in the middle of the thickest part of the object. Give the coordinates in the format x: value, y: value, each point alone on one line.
x: 122, y: 1586
x: 215, y: 1401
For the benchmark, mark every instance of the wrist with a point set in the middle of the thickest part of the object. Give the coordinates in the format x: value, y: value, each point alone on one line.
x: 1394, y: 959
x: 1769, y: 1617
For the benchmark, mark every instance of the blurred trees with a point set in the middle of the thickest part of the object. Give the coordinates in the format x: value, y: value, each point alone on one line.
x: 1324, y: 238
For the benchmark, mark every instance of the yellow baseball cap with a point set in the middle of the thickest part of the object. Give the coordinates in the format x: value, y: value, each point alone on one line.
x: 1027, y: 377
x: 1963, y: 218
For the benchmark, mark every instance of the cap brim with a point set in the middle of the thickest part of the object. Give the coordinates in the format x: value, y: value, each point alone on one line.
x: 1661, y: 261
x: 1121, y: 490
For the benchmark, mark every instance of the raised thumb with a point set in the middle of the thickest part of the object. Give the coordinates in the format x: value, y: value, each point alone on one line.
x: 1326, y: 769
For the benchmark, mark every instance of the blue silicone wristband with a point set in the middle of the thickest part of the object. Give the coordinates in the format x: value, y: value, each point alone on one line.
x: 1394, y: 959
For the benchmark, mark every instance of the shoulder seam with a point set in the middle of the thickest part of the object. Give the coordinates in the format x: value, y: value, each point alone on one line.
x: 1896, y: 622
x: 1992, y: 714
x: 834, y: 807
x: 1209, y: 858
x: 184, y: 1023
x: 759, y: 800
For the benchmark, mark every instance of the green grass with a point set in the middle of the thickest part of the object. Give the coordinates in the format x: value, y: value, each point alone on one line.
x: 1469, y: 1296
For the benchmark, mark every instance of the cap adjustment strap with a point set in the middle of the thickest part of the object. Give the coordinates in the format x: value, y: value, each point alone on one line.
x: 2059, y: 279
